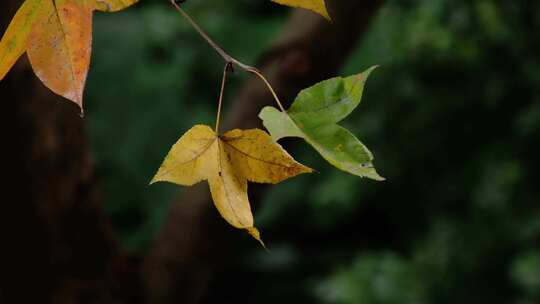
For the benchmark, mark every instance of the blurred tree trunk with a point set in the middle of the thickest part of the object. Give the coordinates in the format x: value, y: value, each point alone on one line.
x: 57, y: 245
x: 193, y: 242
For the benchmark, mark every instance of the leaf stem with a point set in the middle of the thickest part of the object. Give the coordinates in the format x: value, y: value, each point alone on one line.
x: 228, y: 58
x: 226, y: 69
x: 261, y: 76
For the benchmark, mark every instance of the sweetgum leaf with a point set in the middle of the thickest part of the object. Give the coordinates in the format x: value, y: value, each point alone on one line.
x: 314, y: 116
x: 228, y: 162
x: 57, y: 36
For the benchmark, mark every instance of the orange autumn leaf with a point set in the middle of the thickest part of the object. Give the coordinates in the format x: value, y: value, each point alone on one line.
x: 57, y: 36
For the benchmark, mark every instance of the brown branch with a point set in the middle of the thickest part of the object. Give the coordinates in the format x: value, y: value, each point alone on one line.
x: 230, y: 61
x: 309, y: 49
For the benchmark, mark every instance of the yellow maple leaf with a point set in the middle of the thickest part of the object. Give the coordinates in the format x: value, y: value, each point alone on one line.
x: 57, y: 36
x: 317, y: 6
x: 227, y: 162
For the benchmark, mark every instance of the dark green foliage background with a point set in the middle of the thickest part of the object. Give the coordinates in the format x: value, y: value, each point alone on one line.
x: 452, y: 116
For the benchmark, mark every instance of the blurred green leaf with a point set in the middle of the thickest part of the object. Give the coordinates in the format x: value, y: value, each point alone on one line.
x: 381, y: 278
x: 525, y: 272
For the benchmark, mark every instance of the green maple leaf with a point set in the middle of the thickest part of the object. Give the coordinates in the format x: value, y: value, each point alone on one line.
x: 314, y: 116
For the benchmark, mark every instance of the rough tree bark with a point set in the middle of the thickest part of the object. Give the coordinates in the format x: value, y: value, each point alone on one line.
x: 58, y: 245
x: 309, y: 50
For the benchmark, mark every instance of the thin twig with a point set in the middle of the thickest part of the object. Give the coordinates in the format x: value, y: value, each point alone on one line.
x: 228, y: 58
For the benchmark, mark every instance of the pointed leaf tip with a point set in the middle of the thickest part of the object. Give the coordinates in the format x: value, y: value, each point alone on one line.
x: 254, y: 232
x: 317, y: 6
x: 113, y: 5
